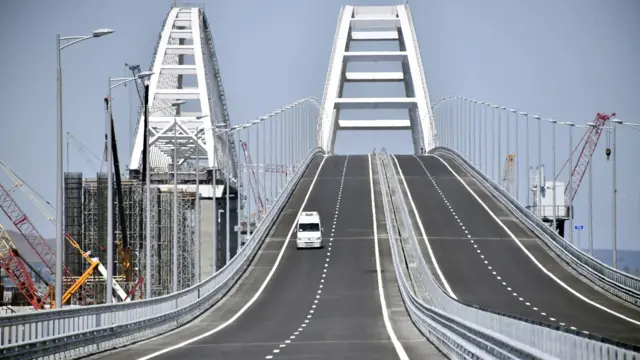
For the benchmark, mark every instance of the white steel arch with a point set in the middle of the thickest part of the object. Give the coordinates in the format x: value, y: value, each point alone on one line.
x: 185, y: 35
x: 377, y: 23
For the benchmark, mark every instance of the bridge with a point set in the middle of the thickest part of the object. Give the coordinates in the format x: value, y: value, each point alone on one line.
x: 463, y: 249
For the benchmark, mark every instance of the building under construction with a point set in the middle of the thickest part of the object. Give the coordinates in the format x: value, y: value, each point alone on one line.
x: 86, y: 221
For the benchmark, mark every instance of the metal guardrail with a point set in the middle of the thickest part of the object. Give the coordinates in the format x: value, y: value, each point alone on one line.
x: 500, y: 336
x: 76, y: 332
x: 616, y: 282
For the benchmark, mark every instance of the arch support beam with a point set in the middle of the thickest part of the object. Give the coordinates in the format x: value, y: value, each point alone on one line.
x: 376, y: 23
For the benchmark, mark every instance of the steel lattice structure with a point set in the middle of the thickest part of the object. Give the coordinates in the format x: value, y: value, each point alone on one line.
x: 377, y: 23
x: 185, y: 68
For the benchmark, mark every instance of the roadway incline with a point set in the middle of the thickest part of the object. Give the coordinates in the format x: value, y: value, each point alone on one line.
x: 484, y: 265
x: 318, y: 303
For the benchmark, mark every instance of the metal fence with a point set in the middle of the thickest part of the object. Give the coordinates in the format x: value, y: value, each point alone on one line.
x: 488, y: 333
x: 616, y: 282
x: 76, y: 332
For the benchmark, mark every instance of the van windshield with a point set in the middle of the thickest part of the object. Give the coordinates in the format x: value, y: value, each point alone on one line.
x: 308, y: 227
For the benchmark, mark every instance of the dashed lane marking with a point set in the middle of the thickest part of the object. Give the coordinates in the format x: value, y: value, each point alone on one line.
x: 475, y: 245
x: 316, y: 301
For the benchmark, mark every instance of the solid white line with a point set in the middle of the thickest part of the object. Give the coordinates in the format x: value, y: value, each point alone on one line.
x: 383, y: 303
x: 424, y: 234
x: 260, y: 290
x: 535, y: 261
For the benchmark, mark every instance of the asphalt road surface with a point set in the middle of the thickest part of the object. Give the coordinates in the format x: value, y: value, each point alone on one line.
x: 483, y: 265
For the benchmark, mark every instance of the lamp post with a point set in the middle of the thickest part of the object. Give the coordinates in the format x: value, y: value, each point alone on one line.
x: 148, y: 244
x: 539, y: 172
x: 570, y: 125
x: 118, y: 82
x: 591, y: 198
x: 59, y: 163
x: 527, y: 165
x: 614, y: 217
x: 553, y: 170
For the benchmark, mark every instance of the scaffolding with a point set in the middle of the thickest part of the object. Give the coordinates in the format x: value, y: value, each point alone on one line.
x: 73, y: 219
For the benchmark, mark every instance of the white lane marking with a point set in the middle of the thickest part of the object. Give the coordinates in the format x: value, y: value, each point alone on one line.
x: 535, y: 261
x: 383, y: 303
x: 435, y: 184
x: 260, y: 290
x: 424, y: 234
x: 313, y: 306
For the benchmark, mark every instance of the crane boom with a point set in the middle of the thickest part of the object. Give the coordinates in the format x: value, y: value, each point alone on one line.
x: 15, y: 267
x: 24, y: 225
x: 93, y: 262
x: 591, y: 138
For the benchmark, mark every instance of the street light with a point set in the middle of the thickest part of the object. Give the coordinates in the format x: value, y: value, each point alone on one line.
x: 570, y: 125
x: 526, y: 146
x: 118, y: 82
x: 592, y: 125
x: 539, y: 172
x: 553, y: 170
x: 149, y: 279
x: 59, y: 165
x: 614, y: 217
x: 175, y: 199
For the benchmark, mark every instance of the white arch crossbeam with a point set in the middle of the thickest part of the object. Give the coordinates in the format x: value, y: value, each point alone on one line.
x: 185, y: 49
x: 377, y: 23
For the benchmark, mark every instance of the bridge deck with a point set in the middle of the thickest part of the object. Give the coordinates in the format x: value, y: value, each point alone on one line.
x: 484, y: 266
x: 346, y: 321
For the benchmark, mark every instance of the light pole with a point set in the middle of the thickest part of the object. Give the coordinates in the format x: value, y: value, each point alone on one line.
x: 539, y: 172
x: 148, y: 243
x: 570, y: 125
x: 553, y: 170
x: 118, y: 82
x: 175, y: 199
x: 515, y: 159
x: 527, y: 165
x: 59, y: 163
x: 614, y: 217
x: 592, y: 125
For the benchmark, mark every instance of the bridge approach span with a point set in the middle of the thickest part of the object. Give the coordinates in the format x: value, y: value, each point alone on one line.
x: 484, y: 265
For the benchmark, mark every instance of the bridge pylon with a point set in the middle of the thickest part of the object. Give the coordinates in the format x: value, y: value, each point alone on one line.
x: 376, y: 23
x: 187, y: 106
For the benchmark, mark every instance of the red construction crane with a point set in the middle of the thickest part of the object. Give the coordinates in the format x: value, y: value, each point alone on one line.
x: 24, y: 225
x: 589, y: 143
x: 15, y: 267
x: 253, y: 180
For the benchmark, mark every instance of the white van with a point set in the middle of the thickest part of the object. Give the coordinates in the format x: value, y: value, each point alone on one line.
x: 309, y: 230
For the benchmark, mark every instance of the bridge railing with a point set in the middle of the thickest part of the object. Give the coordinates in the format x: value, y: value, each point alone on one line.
x: 462, y: 329
x: 77, y: 332
x: 614, y: 281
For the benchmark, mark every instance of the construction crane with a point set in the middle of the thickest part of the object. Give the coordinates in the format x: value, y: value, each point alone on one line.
x: 17, y: 271
x: 253, y: 180
x: 94, y: 262
x: 589, y: 143
x: 84, y: 152
x: 24, y: 225
x: 124, y: 251
x: 508, y: 173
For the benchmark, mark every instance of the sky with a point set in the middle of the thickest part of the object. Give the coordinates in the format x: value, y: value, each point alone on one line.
x: 563, y: 59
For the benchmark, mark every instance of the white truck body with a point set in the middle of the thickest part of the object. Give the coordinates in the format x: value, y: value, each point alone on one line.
x: 309, y: 230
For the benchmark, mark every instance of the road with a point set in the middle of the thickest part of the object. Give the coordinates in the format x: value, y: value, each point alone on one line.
x: 319, y: 303
x: 483, y: 265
